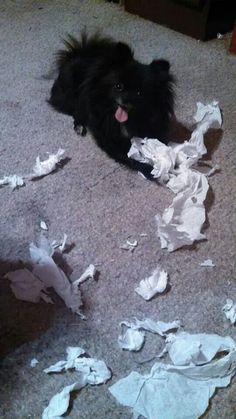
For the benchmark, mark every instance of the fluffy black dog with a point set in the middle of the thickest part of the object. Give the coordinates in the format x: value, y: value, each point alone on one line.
x: 106, y: 90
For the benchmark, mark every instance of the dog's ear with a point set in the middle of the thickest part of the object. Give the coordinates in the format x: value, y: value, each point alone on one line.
x: 161, y: 66
x: 123, y: 52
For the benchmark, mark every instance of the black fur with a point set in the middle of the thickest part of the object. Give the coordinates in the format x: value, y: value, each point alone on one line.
x: 100, y: 84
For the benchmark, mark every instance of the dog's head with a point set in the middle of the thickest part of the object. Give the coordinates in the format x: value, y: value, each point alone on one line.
x: 140, y: 89
x: 135, y: 93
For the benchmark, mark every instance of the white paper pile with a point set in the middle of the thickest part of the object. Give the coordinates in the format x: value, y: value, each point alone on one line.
x: 91, y: 371
x: 154, y: 284
x: 172, y: 166
x: 132, y: 339
x: 31, y: 286
x: 182, y: 389
x: 41, y: 168
x: 230, y: 310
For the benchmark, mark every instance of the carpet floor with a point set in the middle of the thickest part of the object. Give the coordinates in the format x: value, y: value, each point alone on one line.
x: 99, y: 204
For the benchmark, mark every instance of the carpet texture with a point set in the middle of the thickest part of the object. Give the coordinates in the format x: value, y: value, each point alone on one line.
x: 99, y: 204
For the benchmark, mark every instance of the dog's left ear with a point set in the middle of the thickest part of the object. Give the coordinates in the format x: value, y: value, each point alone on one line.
x: 161, y: 66
x: 123, y: 51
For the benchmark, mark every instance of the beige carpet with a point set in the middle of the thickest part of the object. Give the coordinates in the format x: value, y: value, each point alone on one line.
x: 99, y: 204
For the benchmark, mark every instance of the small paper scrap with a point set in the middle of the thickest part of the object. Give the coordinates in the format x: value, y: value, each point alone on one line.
x: 172, y: 167
x: 41, y: 168
x: 182, y: 389
x: 32, y: 286
x: 13, y: 181
x: 91, y: 371
x: 34, y: 362
x: 131, y: 340
x: 154, y: 284
x: 60, y: 244
x: 207, y: 263
x: 43, y: 226
x: 129, y: 245
x: 230, y: 310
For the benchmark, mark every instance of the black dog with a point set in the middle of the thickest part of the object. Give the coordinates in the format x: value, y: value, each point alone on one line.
x: 106, y: 90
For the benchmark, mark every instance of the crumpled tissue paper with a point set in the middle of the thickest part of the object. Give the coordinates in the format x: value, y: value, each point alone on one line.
x: 13, y: 181
x: 172, y: 167
x: 132, y: 339
x: 31, y: 286
x: 230, y: 310
x: 182, y: 389
x: 41, y: 168
x: 154, y: 284
x: 91, y: 371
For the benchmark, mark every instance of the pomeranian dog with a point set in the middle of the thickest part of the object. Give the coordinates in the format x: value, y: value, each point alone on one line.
x: 114, y: 96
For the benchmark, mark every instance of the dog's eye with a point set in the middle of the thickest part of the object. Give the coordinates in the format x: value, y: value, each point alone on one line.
x: 139, y: 92
x: 119, y: 87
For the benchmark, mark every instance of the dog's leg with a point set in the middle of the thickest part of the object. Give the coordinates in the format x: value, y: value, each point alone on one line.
x: 143, y: 168
x: 122, y: 158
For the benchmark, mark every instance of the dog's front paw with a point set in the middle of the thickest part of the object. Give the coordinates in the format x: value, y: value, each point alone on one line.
x: 144, y: 168
x: 80, y: 130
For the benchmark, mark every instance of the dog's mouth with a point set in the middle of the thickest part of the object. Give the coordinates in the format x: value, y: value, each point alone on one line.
x: 121, y: 114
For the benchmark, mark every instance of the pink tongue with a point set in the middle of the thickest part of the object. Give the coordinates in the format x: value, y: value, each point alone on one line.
x: 121, y: 115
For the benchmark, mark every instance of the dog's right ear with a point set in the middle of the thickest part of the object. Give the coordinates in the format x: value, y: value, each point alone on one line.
x: 123, y: 51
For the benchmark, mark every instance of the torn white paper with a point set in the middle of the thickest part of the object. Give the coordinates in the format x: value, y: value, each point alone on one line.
x: 230, y: 310
x: 41, y: 168
x: 152, y: 151
x: 154, y: 284
x: 47, y: 166
x: 207, y: 263
x: 59, y: 403
x: 89, y: 273
x: 129, y: 245
x: 131, y: 339
x: 180, y: 391
x: 176, y: 227
x: 13, y: 181
x: 31, y: 286
x: 172, y: 167
x: 52, y: 276
x: 34, y: 362
x: 73, y: 352
x: 159, y: 327
x: 43, y: 225
x: 92, y: 371
x: 196, y: 349
x: 62, y: 246
x: 27, y: 287
x: 59, y: 244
